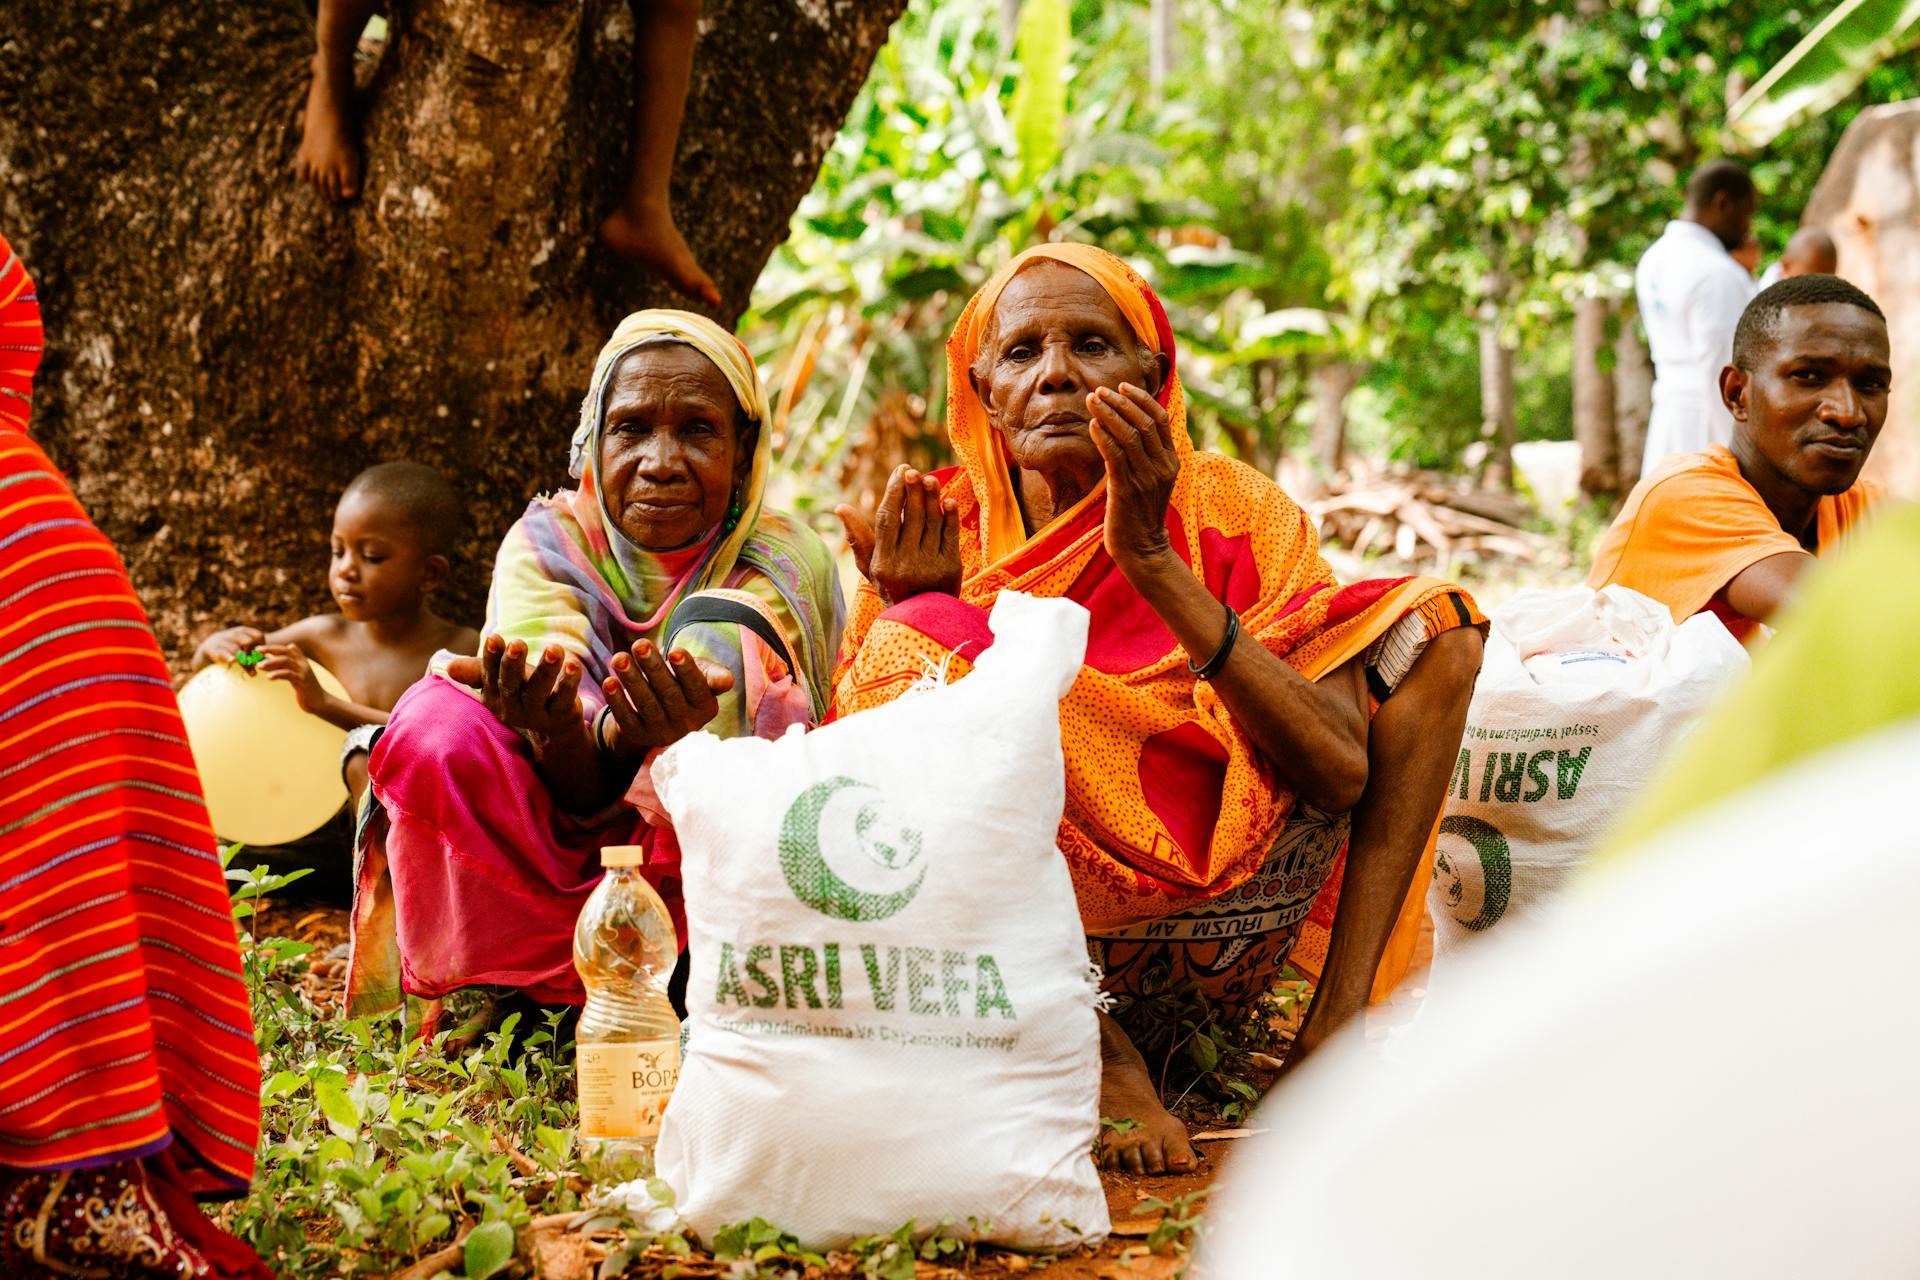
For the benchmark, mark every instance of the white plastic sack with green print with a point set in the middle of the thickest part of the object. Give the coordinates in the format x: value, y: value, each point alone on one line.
x: 1579, y: 698
x: 892, y: 1013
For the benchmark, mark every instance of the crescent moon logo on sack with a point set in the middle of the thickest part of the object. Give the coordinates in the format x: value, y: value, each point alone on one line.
x: 845, y: 855
x: 1493, y: 862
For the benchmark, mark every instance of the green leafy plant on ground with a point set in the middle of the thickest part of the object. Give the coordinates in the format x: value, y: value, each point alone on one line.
x: 379, y: 1150
x: 766, y: 1250
x: 1181, y: 1224
x: 1212, y: 1067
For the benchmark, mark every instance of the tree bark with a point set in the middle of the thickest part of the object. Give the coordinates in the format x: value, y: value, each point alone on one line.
x: 1009, y: 22
x: 1333, y: 382
x: 1593, y: 412
x: 1868, y: 199
x: 1632, y: 396
x: 1496, y: 399
x: 1593, y: 426
x: 1163, y: 44
x: 226, y: 350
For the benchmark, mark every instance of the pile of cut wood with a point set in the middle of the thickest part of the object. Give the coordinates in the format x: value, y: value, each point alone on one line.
x: 1423, y: 518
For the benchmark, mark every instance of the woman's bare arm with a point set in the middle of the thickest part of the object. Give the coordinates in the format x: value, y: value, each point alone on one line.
x: 1313, y: 733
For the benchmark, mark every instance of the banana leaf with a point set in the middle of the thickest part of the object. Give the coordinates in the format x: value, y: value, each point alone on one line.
x: 1040, y: 99
x: 1825, y: 67
x: 1192, y: 271
x: 921, y: 282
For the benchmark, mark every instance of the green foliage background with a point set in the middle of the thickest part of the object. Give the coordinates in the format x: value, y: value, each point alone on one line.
x: 1315, y: 181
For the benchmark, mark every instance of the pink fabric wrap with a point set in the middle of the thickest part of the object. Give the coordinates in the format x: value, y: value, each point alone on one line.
x: 488, y: 874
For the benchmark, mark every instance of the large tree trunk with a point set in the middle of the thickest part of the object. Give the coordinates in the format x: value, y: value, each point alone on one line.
x: 1593, y: 425
x: 1632, y: 396
x: 1163, y: 44
x: 1593, y: 415
x: 1496, y: 399
x: 1333, y: 382
x: 1868, y: 199
x: 226, y: 350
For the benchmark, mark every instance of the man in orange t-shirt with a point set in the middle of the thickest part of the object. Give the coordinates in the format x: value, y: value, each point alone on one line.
x: 1730, y: 530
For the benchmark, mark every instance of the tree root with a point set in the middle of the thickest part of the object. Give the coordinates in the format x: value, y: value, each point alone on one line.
x: 455, y: 1254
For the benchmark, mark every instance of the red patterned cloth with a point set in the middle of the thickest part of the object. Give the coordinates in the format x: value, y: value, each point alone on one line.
x: 124, y: 1026
x: 126, y: 1220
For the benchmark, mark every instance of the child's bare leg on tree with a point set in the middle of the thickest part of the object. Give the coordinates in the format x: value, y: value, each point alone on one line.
x: 329, y: 152
x: 642, y: 229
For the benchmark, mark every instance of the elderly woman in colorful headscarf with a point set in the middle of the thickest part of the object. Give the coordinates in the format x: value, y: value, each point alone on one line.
x: 1239, y: 713
x: 657, y: 599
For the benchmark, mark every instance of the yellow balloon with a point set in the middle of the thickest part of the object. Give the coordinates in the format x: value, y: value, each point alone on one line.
x: 271, y: 771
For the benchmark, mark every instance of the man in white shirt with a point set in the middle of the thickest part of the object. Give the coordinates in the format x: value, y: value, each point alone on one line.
x: 1691, y: 295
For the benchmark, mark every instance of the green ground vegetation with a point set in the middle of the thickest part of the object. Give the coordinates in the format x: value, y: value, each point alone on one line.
x: 380, y: 1149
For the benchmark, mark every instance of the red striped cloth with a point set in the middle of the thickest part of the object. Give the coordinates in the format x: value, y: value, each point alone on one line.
x: 124, y: 1026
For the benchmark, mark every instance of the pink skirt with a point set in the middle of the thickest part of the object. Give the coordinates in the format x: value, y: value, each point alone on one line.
x: 478, y: 877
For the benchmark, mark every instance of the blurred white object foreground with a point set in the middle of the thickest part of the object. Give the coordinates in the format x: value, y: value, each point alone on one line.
x: 1700, y: 1063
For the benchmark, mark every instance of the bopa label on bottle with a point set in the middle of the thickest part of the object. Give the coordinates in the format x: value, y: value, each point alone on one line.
x: 624, y: 1087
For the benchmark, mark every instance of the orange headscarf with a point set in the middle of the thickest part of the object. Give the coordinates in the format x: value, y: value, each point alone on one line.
x: 1168, y: 801
x: 981, y: 449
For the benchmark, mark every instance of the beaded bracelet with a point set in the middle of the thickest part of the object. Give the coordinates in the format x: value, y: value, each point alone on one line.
x: 1212, y: 666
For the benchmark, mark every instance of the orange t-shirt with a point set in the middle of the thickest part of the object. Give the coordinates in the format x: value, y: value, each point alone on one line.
x: 1695, y: 525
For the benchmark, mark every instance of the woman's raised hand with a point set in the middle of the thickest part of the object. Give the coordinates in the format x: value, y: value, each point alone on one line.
x: 541, y: 700
x: 1135, y: 439
x: 656, y: 700
x: 913, y: 544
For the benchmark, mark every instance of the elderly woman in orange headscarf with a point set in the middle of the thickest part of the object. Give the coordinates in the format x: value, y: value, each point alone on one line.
x: 1240, y: 720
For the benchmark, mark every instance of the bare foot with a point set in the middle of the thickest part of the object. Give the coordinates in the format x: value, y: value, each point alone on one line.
x: 329, y: 158
x: 647, y: 237
x: 1157, y: 1142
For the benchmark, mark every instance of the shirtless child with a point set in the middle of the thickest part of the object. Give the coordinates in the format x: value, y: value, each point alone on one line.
x: 393, y: 531
x: 641, y: 229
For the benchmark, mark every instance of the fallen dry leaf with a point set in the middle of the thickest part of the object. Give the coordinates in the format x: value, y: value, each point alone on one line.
x: 1151, y: 1205
x: 1223, y: 1135
x: 559, y: 1254
x: 1141, y: 1266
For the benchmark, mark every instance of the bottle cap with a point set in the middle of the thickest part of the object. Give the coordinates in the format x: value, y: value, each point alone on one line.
x: 623, y: 855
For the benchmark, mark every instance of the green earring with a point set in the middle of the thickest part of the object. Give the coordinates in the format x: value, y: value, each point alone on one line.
x: 733, y: 513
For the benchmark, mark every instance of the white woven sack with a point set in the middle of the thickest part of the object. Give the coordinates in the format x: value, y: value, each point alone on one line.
x: 892, y: 1014
x: 1581, y: 695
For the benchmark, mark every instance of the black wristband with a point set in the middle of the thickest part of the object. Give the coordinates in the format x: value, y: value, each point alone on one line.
x: 1212, y: 666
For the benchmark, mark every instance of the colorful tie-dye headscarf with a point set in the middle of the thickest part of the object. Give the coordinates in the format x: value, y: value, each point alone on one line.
x: 567, y: 576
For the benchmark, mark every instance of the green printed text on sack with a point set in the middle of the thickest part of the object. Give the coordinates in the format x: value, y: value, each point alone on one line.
x: 1509, y: 776
x: 917, y: 980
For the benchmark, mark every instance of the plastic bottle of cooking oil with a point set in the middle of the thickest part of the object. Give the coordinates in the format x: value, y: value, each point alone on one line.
x: 628, y: 1040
